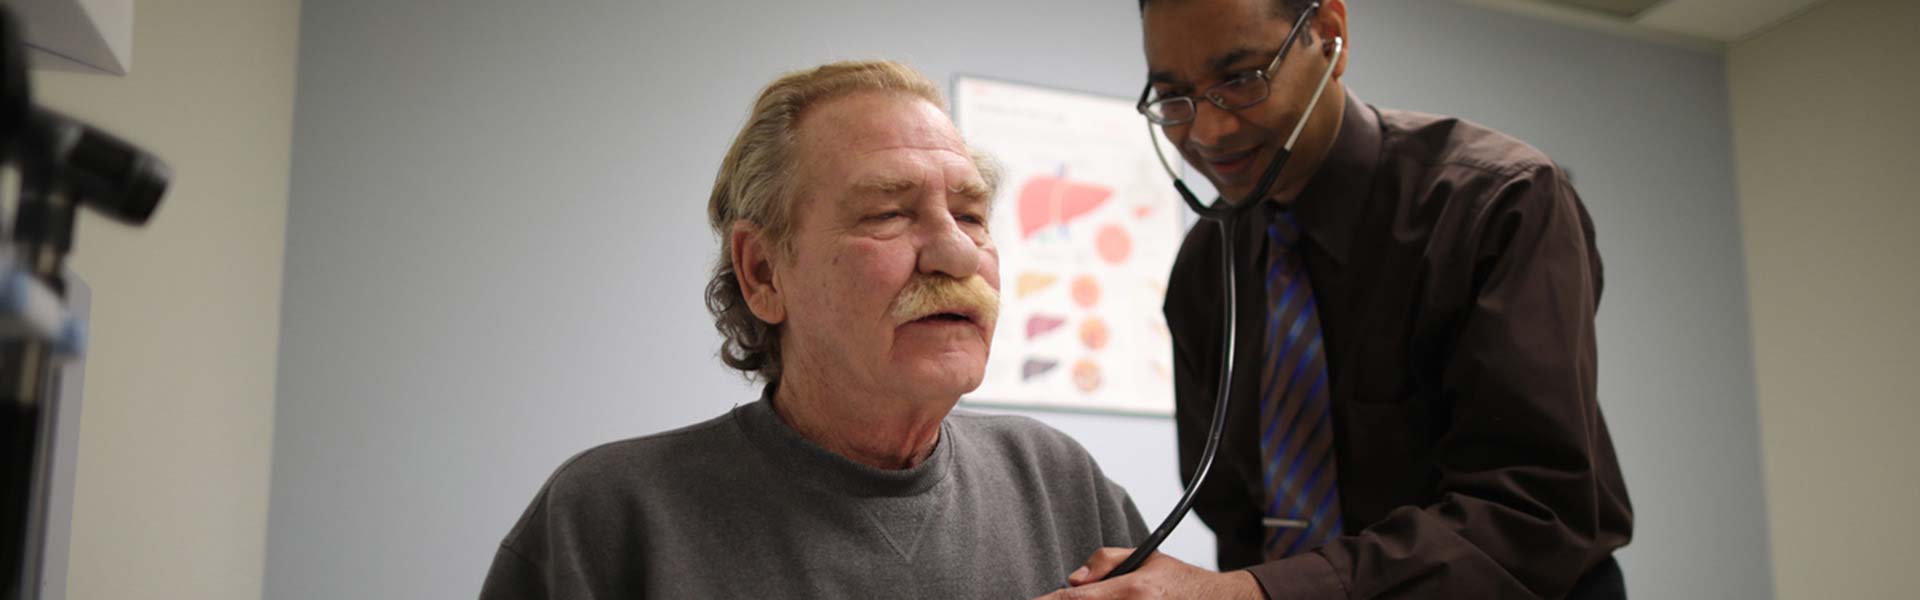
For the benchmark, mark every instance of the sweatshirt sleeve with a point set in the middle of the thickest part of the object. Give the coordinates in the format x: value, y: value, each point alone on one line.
x: 513, y: 577
x: 568, y: 544
x: 1126, y: 528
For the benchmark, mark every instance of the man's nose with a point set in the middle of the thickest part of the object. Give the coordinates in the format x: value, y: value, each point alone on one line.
x: 1210, y: 125
x: 948, y: 249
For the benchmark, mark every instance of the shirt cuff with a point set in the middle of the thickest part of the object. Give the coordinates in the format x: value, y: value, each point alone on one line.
x: 1303, y: 577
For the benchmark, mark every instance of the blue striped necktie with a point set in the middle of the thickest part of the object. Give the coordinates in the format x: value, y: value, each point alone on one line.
x: 1296, y: 419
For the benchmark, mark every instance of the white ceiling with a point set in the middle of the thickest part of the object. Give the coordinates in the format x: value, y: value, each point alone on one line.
x: 1706, y: 23
x: 1723, y: 20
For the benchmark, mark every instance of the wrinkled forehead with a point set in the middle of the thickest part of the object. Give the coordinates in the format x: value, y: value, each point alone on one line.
x: 866, y: 120
x: 871, y: 132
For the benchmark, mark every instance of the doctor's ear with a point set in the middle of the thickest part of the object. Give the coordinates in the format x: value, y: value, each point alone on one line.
x: 1328, y: 47
x: 1330, y: 24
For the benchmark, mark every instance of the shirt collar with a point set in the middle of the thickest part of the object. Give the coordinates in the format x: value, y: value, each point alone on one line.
x: 1330, y: 206
x: 796, y: 456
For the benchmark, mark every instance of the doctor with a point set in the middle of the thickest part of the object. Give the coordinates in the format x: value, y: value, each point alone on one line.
x: 1413, y: 413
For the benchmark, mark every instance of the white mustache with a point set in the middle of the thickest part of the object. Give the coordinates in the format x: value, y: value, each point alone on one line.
x: 935, y: 294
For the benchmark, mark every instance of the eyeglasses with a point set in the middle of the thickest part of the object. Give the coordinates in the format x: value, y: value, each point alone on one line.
x: 1242, y: 91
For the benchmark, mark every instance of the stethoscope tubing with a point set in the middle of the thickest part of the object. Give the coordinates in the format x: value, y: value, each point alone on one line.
x: 1225, y: 215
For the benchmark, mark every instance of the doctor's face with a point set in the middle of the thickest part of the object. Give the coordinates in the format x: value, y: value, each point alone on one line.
x: 1192, y: 45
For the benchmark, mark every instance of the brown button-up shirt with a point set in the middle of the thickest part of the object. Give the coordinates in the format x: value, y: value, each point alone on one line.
x: 1457, y: 281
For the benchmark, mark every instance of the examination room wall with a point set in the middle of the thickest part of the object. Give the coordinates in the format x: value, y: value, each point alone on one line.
x: 1826, y: 137
x: 496, y: 251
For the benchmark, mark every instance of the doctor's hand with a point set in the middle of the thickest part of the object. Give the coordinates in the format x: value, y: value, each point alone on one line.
x: 1161, y: 576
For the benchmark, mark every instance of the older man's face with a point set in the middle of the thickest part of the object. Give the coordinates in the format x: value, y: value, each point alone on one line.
x: 889, y: 207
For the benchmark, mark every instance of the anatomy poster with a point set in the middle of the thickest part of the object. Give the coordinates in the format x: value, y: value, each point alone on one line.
x: 1087, y: 225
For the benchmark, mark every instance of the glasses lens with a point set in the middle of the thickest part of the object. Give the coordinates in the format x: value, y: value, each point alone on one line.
x: 1167, y: 111
x: 1240, y: 92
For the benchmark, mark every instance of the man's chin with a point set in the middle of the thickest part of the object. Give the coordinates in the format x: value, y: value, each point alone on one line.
x: 946, y: 376
x: 1233, y: 195
x: 1235, y: 187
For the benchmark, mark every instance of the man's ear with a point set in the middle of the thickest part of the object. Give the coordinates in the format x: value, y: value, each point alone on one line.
x: 753, y: 254
x: 1331, y: 23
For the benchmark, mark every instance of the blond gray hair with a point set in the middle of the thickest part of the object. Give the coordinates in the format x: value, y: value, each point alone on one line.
x: 755, y: 185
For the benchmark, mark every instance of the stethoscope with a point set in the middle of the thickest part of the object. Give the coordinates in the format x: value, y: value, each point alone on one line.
x: 1225, y: 215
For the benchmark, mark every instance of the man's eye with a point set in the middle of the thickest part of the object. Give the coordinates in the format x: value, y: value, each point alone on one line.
x: 886, y: 216
x: 973, y: 219
x: 1242, y: 79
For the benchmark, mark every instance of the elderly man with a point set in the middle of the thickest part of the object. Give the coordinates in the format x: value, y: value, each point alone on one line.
x: 859, y: 281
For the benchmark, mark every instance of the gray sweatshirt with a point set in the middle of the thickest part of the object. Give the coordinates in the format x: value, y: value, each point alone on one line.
x: 741, y: 506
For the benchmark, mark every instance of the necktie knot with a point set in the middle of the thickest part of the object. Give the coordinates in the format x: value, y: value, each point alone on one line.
x: 1283, y: 231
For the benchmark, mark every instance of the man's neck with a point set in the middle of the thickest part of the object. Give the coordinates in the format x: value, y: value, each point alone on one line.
x: 879, y: 432
x: 1306, y: 162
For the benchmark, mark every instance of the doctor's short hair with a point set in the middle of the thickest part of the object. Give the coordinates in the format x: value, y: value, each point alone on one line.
x: 1285, y: 9
x: 755, y: 184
